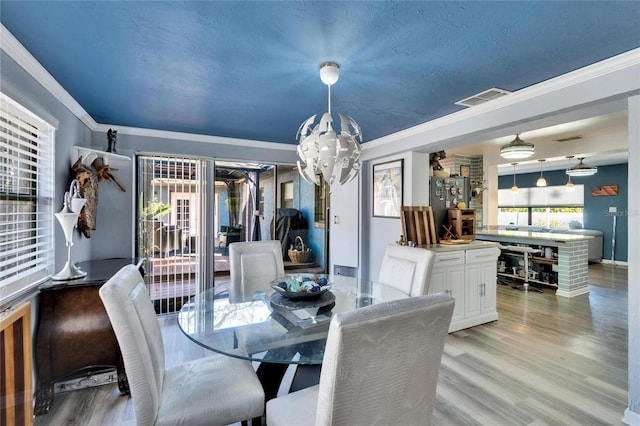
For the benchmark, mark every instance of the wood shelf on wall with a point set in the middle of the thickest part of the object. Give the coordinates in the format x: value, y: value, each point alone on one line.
x: 89, y: 154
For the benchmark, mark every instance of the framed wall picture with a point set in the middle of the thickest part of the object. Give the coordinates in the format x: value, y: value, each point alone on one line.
x: 465, y: 171
x: 387, y: 188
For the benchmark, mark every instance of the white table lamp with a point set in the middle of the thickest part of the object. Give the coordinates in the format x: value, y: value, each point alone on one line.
x: 68, y: 219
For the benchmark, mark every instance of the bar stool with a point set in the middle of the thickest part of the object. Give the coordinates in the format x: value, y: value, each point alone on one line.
x: 526, y: 252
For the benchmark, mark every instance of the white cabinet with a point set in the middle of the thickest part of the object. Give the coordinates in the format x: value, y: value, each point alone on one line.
x: 480, y: 292
x: 344, y: 226
x: 448, y: 277
x: 470, y: 277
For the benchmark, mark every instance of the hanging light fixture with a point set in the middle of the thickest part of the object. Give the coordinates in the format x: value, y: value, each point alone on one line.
x: 321, y: 150
x: 514, y: 188
x: 569, y: 186
x: 582, y: 169
x: 517, y: 149
x: 541, y: 180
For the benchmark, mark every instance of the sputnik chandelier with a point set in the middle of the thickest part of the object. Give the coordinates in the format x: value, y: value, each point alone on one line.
x: 321, y: 149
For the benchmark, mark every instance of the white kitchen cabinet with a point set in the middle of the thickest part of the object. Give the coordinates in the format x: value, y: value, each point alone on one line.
x: 469, y: 275
x: 448, y: 276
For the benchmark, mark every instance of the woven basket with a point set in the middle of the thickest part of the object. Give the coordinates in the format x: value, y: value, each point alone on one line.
x: 300, y: 253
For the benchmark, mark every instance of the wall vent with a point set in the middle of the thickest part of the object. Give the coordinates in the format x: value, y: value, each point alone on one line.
x: 482, y: 97
x: 569, y: 138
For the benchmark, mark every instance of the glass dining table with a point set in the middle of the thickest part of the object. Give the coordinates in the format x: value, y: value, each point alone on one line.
x: 273, y: 330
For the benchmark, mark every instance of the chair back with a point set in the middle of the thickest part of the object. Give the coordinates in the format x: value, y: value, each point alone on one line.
x: 126, y: 300
x: 166, y: 239
x: 381, y: 363
x: 253, y: 264
x: 407, y: 268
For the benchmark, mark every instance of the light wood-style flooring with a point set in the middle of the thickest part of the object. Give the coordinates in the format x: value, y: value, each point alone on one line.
x: 547, y: 361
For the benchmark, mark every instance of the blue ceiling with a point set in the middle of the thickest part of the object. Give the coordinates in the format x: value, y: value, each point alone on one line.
x: 250, y: 69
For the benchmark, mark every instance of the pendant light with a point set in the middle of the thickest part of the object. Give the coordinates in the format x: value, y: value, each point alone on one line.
x: 517, y: 149
x: 541, y: 180
x: 323, y: 151
x: 582, y: 169
x: 514, y: 188
x: 569, y: 186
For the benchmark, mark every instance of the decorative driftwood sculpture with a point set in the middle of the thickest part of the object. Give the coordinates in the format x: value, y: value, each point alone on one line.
x: 88, y: 181
x: 88, y: 178
x: 104, y: 173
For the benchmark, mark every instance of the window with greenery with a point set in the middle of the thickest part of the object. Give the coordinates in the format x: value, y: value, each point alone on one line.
x: 557, y: 217
x: 513, y: 216
x: 544, y: 217
x: 26, y: 199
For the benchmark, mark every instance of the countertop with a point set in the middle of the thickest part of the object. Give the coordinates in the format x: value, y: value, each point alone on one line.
x: 473, y: 245
x: 505, y: 235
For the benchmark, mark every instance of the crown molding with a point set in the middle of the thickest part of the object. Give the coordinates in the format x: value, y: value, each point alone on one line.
x: 21, y: 55
x: 620, y: 63
x: 192, y: 137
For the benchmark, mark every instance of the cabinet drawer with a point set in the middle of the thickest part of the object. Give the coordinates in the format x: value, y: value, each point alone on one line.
x: 482, y: 255
x: 449, y: 258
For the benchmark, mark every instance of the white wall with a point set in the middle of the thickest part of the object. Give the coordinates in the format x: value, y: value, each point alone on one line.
x: 632, y: 415
x: 415, y: 192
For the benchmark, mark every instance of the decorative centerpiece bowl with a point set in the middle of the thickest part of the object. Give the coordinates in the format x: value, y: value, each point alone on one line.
x: 301, y: 286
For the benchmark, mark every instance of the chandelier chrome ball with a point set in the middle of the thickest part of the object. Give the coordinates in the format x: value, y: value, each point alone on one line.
x: 323, y: 151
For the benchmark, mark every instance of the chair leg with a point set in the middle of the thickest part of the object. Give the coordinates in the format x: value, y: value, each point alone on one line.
x: 305, y: 376
x: 270, y: 375
x: 256, y: 421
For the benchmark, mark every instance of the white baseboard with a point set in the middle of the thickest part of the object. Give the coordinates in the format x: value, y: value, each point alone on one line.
x: 631, y: 418
x: 615, y: 262
x: 573, y: 293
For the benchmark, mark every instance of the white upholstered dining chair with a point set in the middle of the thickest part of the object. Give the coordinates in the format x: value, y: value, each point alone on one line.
x: 253, y: 264
x: 407, y: 268
x: 380, y: 367
x: 215, y: 390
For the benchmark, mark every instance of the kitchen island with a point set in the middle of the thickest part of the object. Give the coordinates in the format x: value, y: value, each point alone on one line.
x: 568, y: 259
x: 467, y: 272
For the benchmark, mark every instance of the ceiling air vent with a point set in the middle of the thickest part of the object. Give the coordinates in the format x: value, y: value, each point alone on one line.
x: 569, y: 138
x: 480, y: 98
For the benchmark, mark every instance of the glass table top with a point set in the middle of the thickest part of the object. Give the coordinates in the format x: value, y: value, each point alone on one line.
x: 270, y: 328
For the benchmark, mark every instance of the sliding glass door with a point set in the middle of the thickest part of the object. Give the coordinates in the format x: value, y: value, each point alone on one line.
x: 189, y: 210
x: 171, y: 222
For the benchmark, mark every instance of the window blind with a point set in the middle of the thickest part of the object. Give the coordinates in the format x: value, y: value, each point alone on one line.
x: 26, y: 199
x: 549, y: 196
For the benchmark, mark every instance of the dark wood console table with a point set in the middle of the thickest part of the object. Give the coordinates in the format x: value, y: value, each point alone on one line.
x: 74, y: 337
